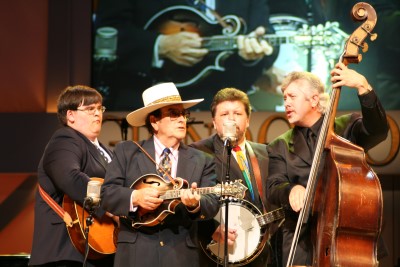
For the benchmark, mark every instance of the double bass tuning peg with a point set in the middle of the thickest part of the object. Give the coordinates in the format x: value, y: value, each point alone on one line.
x: 373, y: 36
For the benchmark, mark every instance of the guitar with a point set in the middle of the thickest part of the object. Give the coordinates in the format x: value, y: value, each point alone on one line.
x: 252, y: 235
x: 221, y: 42
x: 171, y: 193
x: 102, y: 236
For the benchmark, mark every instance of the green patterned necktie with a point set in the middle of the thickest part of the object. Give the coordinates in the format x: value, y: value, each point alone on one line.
x: 241, y: 159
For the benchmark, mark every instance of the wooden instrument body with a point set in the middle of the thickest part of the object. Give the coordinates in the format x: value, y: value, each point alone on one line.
x: 347, y: 207
x: 102, y: 233
x: 152, y: 218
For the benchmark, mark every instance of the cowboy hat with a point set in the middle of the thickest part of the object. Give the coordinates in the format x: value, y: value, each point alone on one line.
x: 156, y: 97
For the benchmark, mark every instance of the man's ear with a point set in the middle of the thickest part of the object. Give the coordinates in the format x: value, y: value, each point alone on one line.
x: 153, y: 122
x: 314, y: 100
x: 70, y: 115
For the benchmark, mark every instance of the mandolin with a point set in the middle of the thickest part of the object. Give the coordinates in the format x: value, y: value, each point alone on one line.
x: 221, y: 42
x: 171, y: 192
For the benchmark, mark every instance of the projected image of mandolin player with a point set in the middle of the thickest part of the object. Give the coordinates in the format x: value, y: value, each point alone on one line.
x: 72, y: 156
x: 248, y: 239
x: 291, y: 154
x: 144, y: 185
x: 201, y: 46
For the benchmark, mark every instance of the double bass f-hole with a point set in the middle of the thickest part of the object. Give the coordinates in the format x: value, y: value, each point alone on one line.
x: 323, y: 200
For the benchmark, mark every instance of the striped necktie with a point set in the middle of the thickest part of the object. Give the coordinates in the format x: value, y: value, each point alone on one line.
x: 241, y: 160
x: 103, y: 154
x: 165, y: 164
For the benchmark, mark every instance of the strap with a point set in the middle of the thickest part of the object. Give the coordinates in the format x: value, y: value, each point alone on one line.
x: 57, y: 208
x: 158, y: 166
x: 215, y: 14
x: 257, y: 175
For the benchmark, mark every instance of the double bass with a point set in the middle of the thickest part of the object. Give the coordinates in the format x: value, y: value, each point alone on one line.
x: 343, y: 198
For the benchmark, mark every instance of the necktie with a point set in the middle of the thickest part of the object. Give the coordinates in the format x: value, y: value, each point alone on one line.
x: 241, y: 159
x: 165, y: 164
x: 102, y: 154
x: 311, y: 138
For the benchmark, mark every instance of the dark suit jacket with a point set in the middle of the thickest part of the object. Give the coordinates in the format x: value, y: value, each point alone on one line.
x: 174, y: 241
x: 68, y: 162
x: 214, y: 146
x: 133, y: 67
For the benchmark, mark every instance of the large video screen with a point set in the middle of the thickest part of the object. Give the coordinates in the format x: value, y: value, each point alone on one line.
x: 305, y: 35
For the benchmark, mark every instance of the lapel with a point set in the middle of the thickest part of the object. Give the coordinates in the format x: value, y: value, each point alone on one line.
x: 92, y: 149
x: 146, y: 165
x: 186, y: 164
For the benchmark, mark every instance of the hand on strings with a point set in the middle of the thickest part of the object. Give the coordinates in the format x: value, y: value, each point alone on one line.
x: 252, y: 46
x: 147, y: 198
x: 343, y: 76
x: 296, y: 197
x: 190, y: 198
x: 183, y: 48
x: 219, y: 236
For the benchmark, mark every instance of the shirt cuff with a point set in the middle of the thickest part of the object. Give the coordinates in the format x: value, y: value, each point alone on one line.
x: 157, y: 62
x: 131, y: 207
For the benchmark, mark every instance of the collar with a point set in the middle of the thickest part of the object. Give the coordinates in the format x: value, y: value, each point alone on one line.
x: 159, y: 148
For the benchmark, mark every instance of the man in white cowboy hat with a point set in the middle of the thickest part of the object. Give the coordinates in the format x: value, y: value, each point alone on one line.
x: 153, y: 231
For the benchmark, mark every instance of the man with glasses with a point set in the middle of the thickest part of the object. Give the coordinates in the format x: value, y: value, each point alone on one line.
x: 155, y: 231
x: 72, y: 156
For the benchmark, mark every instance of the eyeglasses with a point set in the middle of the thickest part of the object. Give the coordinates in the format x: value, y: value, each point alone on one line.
x: 92, y: 110
x: 176, y: 113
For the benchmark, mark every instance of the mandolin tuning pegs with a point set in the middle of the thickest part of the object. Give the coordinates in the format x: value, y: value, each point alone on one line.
x: 374, y: 36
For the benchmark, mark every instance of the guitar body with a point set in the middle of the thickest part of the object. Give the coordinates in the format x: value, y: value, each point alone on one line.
x: 182, y: 18
x: 102, y: 236
x: 151, y: 218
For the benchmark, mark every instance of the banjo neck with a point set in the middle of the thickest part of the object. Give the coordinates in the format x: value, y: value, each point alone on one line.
x: 270, y: 217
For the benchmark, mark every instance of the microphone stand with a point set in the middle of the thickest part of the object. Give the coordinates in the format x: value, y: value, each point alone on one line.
x: 89, y: 222
x: 228, y: 146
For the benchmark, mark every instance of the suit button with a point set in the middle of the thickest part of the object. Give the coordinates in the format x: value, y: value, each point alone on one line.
x: 161, y: 243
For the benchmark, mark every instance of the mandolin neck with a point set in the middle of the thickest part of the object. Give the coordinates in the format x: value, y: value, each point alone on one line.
x: 223, y: 43
x: 176, y: 193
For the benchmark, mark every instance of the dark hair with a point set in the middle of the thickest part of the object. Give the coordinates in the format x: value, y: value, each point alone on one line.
x: 230, y: 94
x: 156, y: 113
x: 75, y: 96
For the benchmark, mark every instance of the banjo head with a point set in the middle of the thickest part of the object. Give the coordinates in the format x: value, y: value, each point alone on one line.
x: 242, y: 217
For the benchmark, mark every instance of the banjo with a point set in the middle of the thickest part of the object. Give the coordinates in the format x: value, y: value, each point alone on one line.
x: 252, y: 235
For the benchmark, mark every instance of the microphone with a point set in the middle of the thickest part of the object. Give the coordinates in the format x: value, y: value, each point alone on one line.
x: 106, y: 44
x: 92, y: 198
x: 229, y: 132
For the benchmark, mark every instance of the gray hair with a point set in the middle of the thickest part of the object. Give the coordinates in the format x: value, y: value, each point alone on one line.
x: 316, y: 86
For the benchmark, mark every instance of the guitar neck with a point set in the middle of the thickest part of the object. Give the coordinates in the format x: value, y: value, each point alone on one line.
x: 223, y: 43
x: 173, y: 194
